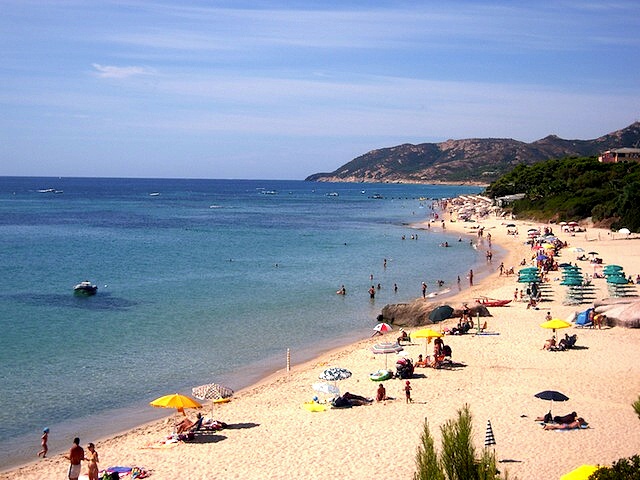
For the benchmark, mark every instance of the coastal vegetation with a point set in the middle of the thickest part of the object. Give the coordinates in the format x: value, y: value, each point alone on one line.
x: 571, y: 189
x: 457, y: 459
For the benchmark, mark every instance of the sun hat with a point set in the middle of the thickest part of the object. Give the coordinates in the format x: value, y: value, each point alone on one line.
x: 46, y: 430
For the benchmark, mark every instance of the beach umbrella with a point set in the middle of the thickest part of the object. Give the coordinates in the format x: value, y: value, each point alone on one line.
x: 326, y: 388
x: 571, y: 281
x: 510, y: 225
x: 440, y: 313
x: 555, y: 324
x: 612, y: 269
x: 625, y: 231
x: 383, y: 327
x: 177, y: 401
x: 334, y: 374
x: 593, y: 253
x: 583, y: 472
x: 541, y: 257
x: 552, y: 396
x: 617, y: 280
x: 212, y: 391
x: 385, y: 349
x: 489, y: 439
x: 428, y: 334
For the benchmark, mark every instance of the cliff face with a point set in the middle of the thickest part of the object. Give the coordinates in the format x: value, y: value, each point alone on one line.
x: 477, y: 160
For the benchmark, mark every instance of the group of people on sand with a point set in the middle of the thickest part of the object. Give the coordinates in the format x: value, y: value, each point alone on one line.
x: 75, y: 456
x: 570, y: 421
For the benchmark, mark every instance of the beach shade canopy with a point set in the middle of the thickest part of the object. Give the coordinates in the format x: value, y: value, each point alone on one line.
x: 489, y: 439
x: 426, y: 333
x: 552, y: 396
x: 617, y: 280
x: 326, y: 388
x: 383, y: 327
x: 612, y: 268
x: 385, y: 349
x: 555, y: 324
x: 177, y: 401
x: 212, y: 391
x: 583, y: 472
x: 440, y: 313
x: 334, y: 374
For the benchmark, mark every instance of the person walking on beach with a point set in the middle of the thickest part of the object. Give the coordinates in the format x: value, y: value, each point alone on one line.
x: 471, y: 277
x: 45, y: 448
x: 407, y: 391
x: 424, y: 290
x: 92, y: 458
x: 75, y: 457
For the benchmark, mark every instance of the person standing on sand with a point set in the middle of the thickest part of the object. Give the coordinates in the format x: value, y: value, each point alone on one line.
x: 471, y: 277
x: 424, y: 290
x: 92, y: 466
x: 45, y: 448
x: 407, y: 391
x: 75, y: 457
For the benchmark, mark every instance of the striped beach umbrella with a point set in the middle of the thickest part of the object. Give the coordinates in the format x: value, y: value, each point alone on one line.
x: 489, y: 439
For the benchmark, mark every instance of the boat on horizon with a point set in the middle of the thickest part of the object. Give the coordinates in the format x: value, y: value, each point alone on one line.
x: 85, y: 288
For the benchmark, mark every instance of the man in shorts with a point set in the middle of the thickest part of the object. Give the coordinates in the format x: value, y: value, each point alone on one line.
x: 75, y: 457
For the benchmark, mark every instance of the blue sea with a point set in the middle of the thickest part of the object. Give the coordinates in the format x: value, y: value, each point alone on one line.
x: 199, y: 281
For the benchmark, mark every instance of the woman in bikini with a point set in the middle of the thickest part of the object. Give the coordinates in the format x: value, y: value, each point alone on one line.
x: 92, y: 462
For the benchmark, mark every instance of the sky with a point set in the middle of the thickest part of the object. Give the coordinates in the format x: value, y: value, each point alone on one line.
x: 284, y: 89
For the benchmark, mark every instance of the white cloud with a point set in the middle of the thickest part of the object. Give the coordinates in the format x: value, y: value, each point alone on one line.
x: 111, y: 71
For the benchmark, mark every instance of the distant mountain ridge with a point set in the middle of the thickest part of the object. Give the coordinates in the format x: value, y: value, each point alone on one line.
x: 475, y: 160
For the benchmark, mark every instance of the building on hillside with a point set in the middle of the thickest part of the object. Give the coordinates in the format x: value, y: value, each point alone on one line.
x: 620, y: 155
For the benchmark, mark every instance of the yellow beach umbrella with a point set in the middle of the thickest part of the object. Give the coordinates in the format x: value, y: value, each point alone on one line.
x: 177, y: 401
x: 426, y: 333
x: 555, y: 324
x: 581, y: 473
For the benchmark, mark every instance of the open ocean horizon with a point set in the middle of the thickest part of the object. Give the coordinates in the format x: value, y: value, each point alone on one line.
x: 199, y: 281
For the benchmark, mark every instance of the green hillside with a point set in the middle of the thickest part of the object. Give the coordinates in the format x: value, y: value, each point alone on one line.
x: 573, y: 189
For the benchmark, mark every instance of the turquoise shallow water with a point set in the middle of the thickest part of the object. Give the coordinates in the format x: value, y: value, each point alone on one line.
x: 211, y: 280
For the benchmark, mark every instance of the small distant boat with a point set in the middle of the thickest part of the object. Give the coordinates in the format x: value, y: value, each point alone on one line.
x: 377, y: 196
x: 333, y: 194
x: 154, y: 194
x: 492, y: 302
x: 269, y: 192
x: 47, y: 190
x: 85, y: 288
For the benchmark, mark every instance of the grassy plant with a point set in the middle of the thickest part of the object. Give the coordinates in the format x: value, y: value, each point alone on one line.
x: 457, y: 460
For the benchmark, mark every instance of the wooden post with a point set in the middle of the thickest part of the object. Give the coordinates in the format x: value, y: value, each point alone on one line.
x: 288, y: 360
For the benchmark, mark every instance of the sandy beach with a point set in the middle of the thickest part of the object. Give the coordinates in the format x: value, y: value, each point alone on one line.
x: 270, y: 435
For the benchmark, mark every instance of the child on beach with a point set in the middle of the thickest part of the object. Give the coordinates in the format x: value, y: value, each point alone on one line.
x: 407, y: 391
x: 45, y: 448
